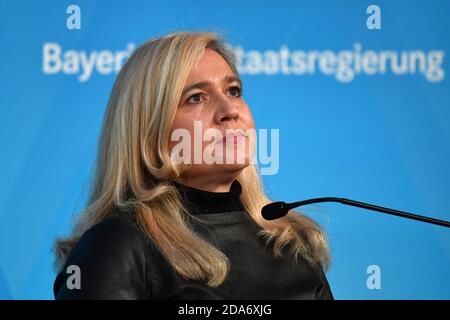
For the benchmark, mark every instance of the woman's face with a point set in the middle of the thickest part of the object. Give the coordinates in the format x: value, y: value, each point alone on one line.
x: 211, y: 101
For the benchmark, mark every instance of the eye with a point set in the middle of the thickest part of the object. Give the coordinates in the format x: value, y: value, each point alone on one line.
x: 195, y: 98
x: 235, y: 91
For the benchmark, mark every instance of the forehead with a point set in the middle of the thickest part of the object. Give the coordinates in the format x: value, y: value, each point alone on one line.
x: 211, y: 66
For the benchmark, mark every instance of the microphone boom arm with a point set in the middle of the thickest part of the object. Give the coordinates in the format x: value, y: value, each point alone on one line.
x: 368, y: 206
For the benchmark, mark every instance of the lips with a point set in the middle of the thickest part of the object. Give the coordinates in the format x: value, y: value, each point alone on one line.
x: 232, y: 137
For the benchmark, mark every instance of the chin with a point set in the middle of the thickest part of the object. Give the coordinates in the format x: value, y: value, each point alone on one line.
x: 234, y: 167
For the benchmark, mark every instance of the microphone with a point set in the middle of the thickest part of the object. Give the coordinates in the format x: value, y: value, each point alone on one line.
x: 279, y: 209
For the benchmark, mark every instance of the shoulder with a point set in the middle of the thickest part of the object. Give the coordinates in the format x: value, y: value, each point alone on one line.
x: 111, y: 259
x: 115, y: 234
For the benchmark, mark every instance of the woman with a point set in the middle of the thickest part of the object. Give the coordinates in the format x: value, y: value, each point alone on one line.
x: 157, y: 228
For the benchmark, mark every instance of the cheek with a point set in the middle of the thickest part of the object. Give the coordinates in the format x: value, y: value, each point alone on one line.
x: 186, y: 118
x: 180, y: 121
x: 191, y: 122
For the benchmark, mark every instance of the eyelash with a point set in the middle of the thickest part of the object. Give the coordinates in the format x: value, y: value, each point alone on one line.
x: 240, y: 93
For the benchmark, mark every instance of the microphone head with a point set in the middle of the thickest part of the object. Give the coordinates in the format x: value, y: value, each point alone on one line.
x: 274, y: 210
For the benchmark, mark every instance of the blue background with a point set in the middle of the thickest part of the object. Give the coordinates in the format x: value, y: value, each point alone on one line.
x: 381, y: 139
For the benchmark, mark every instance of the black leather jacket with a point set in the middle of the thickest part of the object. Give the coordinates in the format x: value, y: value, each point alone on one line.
x: 118, y: 261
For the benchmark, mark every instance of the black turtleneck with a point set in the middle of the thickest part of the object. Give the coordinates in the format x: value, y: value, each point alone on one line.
x: 118, y: 261
x: 206, y: 202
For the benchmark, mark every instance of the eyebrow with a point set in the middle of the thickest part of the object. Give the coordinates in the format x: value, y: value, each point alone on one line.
x: 203, y: 84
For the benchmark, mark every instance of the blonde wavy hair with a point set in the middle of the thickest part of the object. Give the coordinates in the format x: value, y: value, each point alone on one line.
x: 134, y: 169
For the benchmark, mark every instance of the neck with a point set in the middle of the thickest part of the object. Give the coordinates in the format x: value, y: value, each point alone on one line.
x: 200, y: 201
x: 215, y: 185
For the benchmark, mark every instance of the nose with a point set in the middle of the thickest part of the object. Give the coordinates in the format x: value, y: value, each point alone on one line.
x: 227, y: 110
